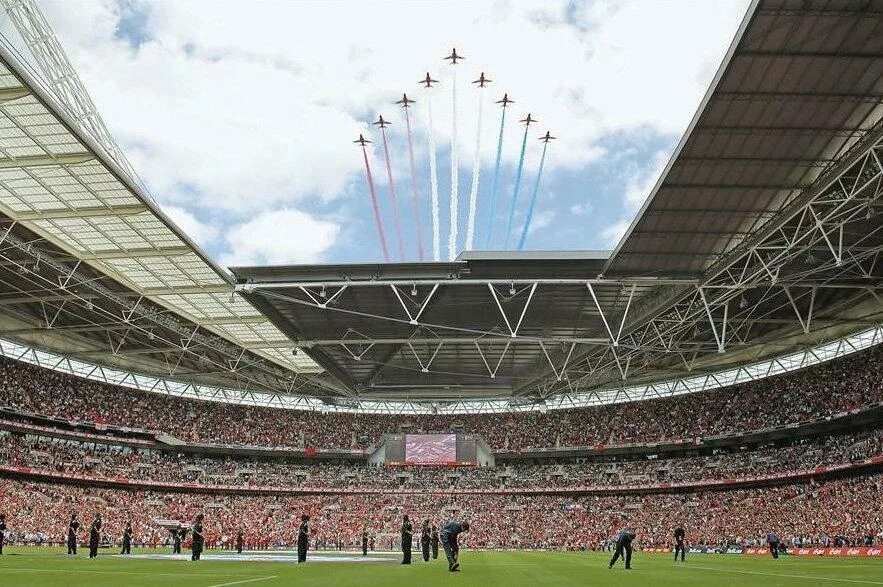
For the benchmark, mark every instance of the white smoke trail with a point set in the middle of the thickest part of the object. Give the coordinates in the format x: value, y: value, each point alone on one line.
x: 433, y: 181
x: 455, y: 164
x: 476, y: 169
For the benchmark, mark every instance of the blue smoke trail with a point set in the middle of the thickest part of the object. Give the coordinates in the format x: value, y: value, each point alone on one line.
x: 517, y: 186
x: 490, y: 218
x: 533, y: 200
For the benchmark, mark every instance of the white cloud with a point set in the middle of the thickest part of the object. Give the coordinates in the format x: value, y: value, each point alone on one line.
x: 280, y: 236
x: 613, y: 233
x: 258, y: 104
x: 642, y: 180
x: 254, y: 109
x: 203, y: 233
x: 541, y: 221
x: 581, y: 209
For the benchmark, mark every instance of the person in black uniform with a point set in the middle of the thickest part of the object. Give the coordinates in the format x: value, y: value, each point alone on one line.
x: 94, y: 536
x: 773, y: 541
x: 623, y: 543
x: 303, y: 538
x: 178, y: 533
x: 72, y: 529
x: 127, y: 539
x: 448, y: 534
x: 2, y: 531
x: 679, y: 543
x: 407, y: 539
x: 434, y: 542
x: 197, y: 539
x: 364, y: 541
x: 239, y: 537
x: 425, y: 539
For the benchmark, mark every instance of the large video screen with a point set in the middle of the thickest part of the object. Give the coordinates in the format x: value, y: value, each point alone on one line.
x: 430, y: 449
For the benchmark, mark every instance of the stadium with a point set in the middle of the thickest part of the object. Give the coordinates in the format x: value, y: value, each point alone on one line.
x: 718, y: 371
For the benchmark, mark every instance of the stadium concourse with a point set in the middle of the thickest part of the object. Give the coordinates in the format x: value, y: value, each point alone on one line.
x: 720, y: 371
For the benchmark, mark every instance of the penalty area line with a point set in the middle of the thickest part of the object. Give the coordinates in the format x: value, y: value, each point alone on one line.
x: 786, y: 575
x: 243, y: 581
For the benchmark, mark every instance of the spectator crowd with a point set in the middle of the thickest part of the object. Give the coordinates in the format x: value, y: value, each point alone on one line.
x: 809, y: 513
x: 823, y: 390
x: 108, y: 461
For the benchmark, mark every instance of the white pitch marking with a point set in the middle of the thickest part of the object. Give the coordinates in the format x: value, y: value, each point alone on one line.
x: 106, y: 572
x: 816, y: 577
x: 244, y: 581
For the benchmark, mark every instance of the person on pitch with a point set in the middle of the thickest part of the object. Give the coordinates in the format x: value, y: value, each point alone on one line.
x: 197, y: 538
x: 448, y: 535
x: 434, y: 540
x: 178, y: 534
x: 407, y: 539
x: 94, y: 536
x: 2, y: 531
x: 679, y: 543
x: 239, y: 539
x: 303, y: 538
x: 127, y: 539
x: 623, y: 545
x: 772, y: 541
x: 364, y: 541
x: 425, y: 539
x: 72, y: 529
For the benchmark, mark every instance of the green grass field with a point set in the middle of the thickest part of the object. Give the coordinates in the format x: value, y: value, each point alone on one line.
x: 49, y: 567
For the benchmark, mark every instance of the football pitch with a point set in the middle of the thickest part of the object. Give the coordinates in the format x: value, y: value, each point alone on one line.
x: 50, y: 567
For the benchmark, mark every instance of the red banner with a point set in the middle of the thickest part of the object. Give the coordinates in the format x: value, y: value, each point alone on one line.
x: 874, y: 551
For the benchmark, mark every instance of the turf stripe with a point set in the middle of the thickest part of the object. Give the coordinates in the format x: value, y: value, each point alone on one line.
x: 786, y: 575
x: 243, y: 581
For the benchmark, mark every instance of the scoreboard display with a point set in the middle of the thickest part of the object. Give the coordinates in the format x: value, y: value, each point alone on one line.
x: 431, y: 449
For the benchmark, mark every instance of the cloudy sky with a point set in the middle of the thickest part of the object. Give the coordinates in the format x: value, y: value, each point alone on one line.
x: 240, y: 115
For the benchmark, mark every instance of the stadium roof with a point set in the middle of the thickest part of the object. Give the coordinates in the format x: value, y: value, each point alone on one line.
x: 73, y: 214
x: 762, y: 236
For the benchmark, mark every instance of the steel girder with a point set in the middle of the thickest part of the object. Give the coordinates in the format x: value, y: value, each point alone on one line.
x: 827, y: 240
x: 829, y: 237
x: 60, y: 297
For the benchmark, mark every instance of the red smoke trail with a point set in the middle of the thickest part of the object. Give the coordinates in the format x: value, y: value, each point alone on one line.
x: 417, y: 222
x: 392, y: 196
x: 376, y: 207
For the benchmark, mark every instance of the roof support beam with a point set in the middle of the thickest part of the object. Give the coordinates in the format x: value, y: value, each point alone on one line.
x: 101, y: 211
x: 14, y: 93
x: 44, y: 160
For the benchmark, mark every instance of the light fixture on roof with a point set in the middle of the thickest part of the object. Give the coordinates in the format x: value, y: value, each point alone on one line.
x: 89, y: 305
x: 870, y: 212
x: 414, y: 290
x: 322, y: 293
x: 150, y: 335
x: 743, y: 302
x: 512, y: 288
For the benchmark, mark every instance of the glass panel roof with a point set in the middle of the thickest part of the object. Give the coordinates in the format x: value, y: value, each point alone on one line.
x: 54, y: 184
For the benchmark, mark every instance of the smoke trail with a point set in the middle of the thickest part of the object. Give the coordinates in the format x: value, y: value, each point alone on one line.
x: 517, y: 185
x: 392, y: 196
x: 476, y: 169
x: 433, y: 181
x: 533, y: 199
x: 455, y: 165
x: 490, y: 219
x: 376, y: 207
x: 417, y: 221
